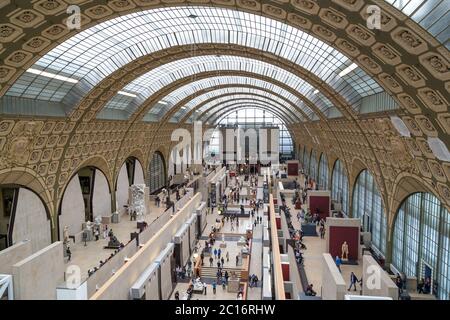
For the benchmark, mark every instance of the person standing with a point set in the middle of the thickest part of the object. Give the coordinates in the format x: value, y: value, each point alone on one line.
x: 222, y: 260
x: 215, y: 253
x: 353, y: 281
x: 219, y: 253
x: 214, y: 285
x: 69, y: 253
x: 338, y: 263
x: 204, y: 288
x: 228, y: 256
x: 211, y: 260
x: 97, y: 234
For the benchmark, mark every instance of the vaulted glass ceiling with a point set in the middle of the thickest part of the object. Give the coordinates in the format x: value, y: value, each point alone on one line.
x: 238, y: 86
x: 210, y: 83
x: 239, y: 103
x: 95, y: 53
x: 432, y: 15
x: 214, y: 118
x: 222, y: 101
x: 151, y: 82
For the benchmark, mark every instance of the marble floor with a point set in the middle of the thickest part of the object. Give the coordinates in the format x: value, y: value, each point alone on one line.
x: 233, y: 249
x: 89, y: 256
x: 313, y: 260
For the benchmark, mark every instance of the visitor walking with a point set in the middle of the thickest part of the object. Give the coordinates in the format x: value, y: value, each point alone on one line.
x: 338, y: 263
x: 353, y: 281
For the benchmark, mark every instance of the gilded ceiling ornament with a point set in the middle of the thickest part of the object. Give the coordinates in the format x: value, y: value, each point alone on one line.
x: 437, y: 64
x: 19, y: 144
x: 400, y: 152
x: 410, y: 39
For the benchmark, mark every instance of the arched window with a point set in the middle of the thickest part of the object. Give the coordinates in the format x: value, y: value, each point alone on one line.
x: 157, y: 176
x: 313, y: 166
x: 421, y: 242
x: 339, y: 185
x: 368, y: 206
x: 323, y: 172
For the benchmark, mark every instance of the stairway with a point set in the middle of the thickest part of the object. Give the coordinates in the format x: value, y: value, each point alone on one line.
x: 211, y: 272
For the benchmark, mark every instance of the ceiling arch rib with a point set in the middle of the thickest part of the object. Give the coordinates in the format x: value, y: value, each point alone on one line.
x: 148, y: 84
x: 226, y: 112
x: 216, y: 96
x: 93, y: 54
x: 199, y: 103
x: 204, y: 115
x: 192, y: 93
x: 239, y: 104
x: 191, y: 105
x: 222, y: 100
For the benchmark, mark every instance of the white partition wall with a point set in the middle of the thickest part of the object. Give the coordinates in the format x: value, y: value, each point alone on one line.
x: 31, y: 221
x: 122, y: 189
x: 192, y: 231
x: 182, y: 239
x: 165, y: 271
x: 152, y: 287
x: 72, y: 208
x: 333, y: 284
x: 101, y: 199
x: 376, y: 281
x: 138, y: 173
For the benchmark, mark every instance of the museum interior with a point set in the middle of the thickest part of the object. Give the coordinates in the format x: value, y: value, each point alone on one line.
x: 104, y: 198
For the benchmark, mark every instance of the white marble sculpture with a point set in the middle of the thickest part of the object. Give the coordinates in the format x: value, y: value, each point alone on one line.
x: 137, y: 201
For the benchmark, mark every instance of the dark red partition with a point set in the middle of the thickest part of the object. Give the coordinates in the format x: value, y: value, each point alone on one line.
x: 292, y: 168
x: 337, y: 237
x: 320, y: 202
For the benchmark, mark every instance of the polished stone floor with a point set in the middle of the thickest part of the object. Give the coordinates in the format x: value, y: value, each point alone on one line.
x: 233, y: 249
x: 313, y: 259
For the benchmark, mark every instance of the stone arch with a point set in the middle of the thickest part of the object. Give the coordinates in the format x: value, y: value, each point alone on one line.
x: 75, y: 203
x: 33, y: 218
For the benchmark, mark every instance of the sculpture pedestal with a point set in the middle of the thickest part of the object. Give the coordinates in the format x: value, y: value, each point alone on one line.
x: 233, y: 285
x: 115, y: 217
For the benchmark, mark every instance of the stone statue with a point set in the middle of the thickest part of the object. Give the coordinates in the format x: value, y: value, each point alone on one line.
x: 66, y: 234
x: 344, y: 255
x: 88, y: 225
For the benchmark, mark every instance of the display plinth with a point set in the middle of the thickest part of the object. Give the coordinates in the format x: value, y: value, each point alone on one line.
x: 233, y: 285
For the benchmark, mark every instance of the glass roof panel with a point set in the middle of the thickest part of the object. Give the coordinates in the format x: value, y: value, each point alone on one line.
x: 95, y: 53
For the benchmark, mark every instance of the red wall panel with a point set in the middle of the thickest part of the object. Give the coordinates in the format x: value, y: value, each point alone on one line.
x: 322, y: 203
x: 337, y: 237
x: 292, y: 169
x: 285, y: 271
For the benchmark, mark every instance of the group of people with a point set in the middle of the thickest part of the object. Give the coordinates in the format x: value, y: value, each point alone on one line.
x: 253, y: 281
x: 424, y: 286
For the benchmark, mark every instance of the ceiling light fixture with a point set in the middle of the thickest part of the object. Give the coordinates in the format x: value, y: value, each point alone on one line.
x: 51, y: 75
x: 124, y: 93
x: 347, y: 70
